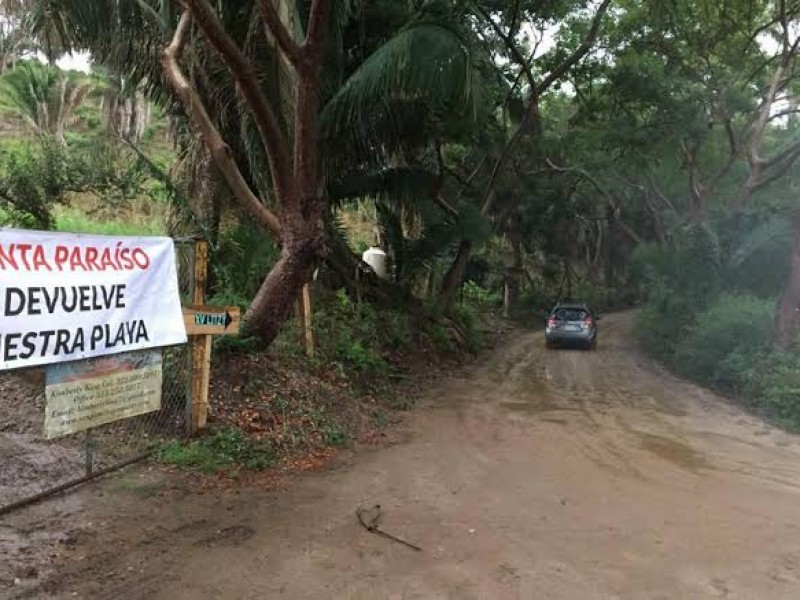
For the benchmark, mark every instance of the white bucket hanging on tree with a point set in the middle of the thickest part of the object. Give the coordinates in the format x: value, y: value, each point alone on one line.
x: 378, y: 260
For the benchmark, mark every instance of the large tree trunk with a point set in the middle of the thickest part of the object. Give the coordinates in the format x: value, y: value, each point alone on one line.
x: 787, y: 316
x: 292, y: 157
x: 276, y: 297
x: 455, y: 274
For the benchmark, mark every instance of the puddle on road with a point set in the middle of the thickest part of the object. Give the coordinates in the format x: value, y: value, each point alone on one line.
x: 674, y: 451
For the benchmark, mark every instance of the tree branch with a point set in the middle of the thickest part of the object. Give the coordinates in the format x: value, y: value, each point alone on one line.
x: 317, y: 22
x: 512, y: 28
x: 651, y: 180
x: 276, y: 28
x: 465, y: 183
x: 437, y: 190
x: 211, y: 137
x: 306, y: 130
x: 698, y: 192
x: 532, y: 112
x: 531, y: 115
x: 612, y: 201
x: 782, y: 154
x: 510, y: 44
x: 580, y: 52
x: 784, y: 113
x: 759, y: 31
x: 244, y: 73
x: 780, y: 170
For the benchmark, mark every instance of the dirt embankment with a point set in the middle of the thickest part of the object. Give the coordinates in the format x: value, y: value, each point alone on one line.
x: 543, y: 474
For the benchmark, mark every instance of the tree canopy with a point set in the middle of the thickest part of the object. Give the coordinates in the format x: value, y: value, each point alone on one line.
x: 553, y: 147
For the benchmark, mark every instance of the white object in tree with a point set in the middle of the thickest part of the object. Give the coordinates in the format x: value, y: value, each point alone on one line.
x: 378, y: 260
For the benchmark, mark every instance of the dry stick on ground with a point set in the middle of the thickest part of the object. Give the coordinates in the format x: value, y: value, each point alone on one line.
x: 370, y: 523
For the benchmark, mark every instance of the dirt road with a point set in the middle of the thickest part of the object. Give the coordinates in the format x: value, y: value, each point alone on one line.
x: 543, y: 474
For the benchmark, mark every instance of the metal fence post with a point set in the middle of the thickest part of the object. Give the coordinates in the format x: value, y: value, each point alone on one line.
x: 88, y: 453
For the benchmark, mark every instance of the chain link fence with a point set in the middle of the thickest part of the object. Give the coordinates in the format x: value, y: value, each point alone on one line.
x: 33, y: 467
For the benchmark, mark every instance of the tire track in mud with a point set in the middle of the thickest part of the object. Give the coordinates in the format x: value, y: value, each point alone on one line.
x: 618, y: 410
x: 553, y: 474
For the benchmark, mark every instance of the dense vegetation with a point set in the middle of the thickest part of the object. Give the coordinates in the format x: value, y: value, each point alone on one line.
x: 504, y: 154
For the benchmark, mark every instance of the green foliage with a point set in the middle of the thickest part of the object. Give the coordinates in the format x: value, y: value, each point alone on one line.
x: 334, y: 434
x: 420, y: 79
x: 437, y: 333
x: 481, y: 298
x: 759, y: 261
x: 467, y: 319
x: 74, y: 220
x: 223, y: 449
x: 678, y: 281
x: 723, y: 338
x: 33, y: 179
x: 39, y: 178
x: 242, y: 258
x: 354, y: 334
x: 45, y: 97
x: 774, y: 388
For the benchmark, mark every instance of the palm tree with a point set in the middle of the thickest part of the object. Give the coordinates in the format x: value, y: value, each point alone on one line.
x: 125, y: 108
x: 46, y: 98
x: 277, y: 113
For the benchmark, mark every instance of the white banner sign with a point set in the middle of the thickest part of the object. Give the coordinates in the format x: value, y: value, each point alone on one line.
x: 67, y: 297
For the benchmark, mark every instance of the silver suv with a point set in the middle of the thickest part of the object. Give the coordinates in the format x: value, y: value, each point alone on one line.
x: 572, y: 324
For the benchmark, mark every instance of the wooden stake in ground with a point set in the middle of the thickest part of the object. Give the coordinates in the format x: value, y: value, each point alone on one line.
x: 200, y: 345
x: 305, y: 319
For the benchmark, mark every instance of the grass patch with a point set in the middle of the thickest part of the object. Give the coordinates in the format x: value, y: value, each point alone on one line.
x: 228, y: 448
x: 74, y: 220
x: 334, y: 434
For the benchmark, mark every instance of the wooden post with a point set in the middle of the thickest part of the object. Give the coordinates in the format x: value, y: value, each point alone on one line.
x: 305, y: 317
x: 200, y: 344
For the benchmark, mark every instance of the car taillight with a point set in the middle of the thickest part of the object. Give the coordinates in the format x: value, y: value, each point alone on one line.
x: 588, y: 321
x: 551, y: 322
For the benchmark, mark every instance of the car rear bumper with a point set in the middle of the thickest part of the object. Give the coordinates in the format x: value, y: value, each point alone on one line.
x: 555, y: 335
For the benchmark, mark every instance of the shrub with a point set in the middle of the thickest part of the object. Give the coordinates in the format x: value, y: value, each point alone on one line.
x: 775, y: 388
x: 467, y: 318
x: 771, y: 387
x: 724, y: 339
x: 677, y: 281
x: 34, y: 178
x: 481, y: 298
x: 353, y: 333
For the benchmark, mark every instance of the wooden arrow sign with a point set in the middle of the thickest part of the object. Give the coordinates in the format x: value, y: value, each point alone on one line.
x: 211, y: 320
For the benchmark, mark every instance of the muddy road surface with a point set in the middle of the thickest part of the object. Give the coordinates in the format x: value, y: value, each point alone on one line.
x: 542, y: 474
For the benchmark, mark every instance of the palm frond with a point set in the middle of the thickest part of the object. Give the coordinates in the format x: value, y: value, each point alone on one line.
x: 412, y: 87
x: 45, y: 97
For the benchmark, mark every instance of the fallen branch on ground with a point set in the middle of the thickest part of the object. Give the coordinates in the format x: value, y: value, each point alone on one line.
x: 370, y: 523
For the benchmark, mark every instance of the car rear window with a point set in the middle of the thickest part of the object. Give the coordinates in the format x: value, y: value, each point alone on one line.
x: 571, y: 314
